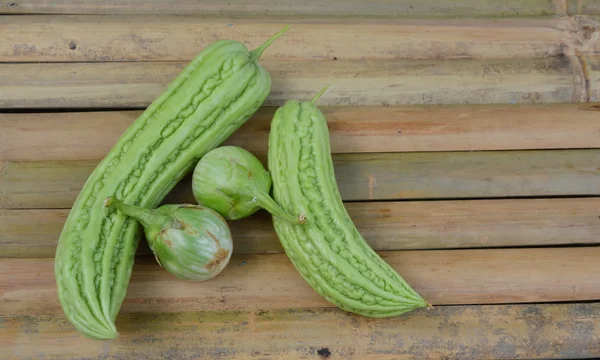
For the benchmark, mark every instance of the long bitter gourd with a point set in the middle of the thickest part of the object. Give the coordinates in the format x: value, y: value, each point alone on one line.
x: 327, y: 250
x: 211, y: 98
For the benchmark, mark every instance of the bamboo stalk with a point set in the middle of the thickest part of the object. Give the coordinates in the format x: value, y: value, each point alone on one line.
x: 381, y: 176
x: 254, y: 282
x: 385, y: 226
x: 355, y: 82
x: 174, y: 38
x: 267, y: 8
x: 90, y: 135
x: 539, y: 331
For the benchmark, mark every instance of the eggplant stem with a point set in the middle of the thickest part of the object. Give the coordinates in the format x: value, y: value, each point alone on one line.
x: 267, y: 203
x: 148, y: 218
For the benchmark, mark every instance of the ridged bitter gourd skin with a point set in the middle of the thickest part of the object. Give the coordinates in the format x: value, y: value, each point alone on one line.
x: 327, y: 250
x: 211, y: 98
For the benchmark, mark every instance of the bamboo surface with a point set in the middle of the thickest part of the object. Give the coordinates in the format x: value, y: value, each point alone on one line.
x: 143, y: 38
x: 402, y: 8
x: 382, y: 82
x: 583, y: 6
x: 593, y: 70
x: 90, y: 135
x: 529, y: 331
x: 466, y: 141
x: 379, y: 176
x: 269, y: 281
x: 385, y: 226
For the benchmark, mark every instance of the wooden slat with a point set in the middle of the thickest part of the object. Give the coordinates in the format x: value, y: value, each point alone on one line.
x: 253, y: 282
x: 385, y: 225
x: 57, y: 184
x: 168, y: 38
x: 22, y: 238
x: 90, y: 135
x: 541, y: 331
x: 386, y: 176
x: 467, y: 175
x: 583, y: 6
x: 400, y: 8
x: 355, y: 82
x: 593, y: 73
x: 585, y: 34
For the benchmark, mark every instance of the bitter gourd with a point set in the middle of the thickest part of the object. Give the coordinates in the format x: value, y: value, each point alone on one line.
x: 210, y: 98
x: 327, y: 250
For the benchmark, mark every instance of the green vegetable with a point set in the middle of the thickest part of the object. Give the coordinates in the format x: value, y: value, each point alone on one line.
x: 191, y: 242
x: 211, y: 98
x: 233, y: 182
x: 328, y: 251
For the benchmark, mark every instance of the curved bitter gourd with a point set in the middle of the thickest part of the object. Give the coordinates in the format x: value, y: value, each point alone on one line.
x: 327, y: 250
x: 210, y: 98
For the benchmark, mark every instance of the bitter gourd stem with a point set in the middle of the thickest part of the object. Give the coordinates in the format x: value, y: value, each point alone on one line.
x: 267, y: 203
x: 257, y: 53
x: 319, y: 94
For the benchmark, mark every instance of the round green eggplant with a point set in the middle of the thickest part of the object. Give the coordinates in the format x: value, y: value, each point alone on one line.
x: 233, y: 182
x: 192, y: 242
